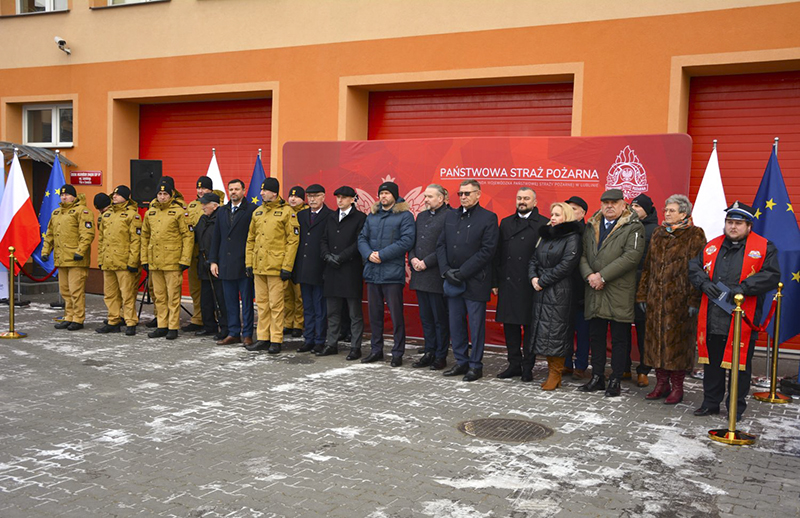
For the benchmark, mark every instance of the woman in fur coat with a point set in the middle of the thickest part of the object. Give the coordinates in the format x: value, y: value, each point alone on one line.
x: 550, y: 271
x: 669, y: 300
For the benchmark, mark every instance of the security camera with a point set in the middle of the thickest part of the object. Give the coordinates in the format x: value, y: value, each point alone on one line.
x: 62, y: 44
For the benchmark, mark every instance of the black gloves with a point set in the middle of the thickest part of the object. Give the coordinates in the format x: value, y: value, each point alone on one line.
x: 453, y: 276
x: 45, y: 257
x: 184, y: 267
x: 693, y: 312
x: 711, y: 290
x: 146, y: 267
x: 286, y: 275
x: 333, y: 260
x: 642, y: 306
x: 132, y: 269
x: 248, y: 271
x: 735, y: 290
x: 77, y: 257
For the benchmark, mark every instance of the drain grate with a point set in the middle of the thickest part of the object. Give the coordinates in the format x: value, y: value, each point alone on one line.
x: 510, y: 430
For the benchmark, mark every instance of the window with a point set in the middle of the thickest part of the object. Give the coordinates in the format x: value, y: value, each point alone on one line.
x: 40, y: 6
x: 122, y: 2
x: 47, y: 125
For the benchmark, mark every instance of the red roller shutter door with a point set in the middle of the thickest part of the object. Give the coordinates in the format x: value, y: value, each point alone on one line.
x: 745, y: 113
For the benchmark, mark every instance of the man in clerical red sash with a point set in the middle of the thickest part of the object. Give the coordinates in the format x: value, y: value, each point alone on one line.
x: 745, y: 263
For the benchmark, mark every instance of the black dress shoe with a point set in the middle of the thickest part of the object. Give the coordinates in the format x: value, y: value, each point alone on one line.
x: 172, y: 334
x: 596, y: 383
x: 439, y: 364
x: 706, y: 411
x: 305, y: 348
x: 613, y: 389
x: 372, y: 357
x: 63, y: 324
x: 328, y: 350
x: 397, y: 361
x: 108, y: 329
x: 191, y: 327
x: 473, y: 375
x: 206, y: 332
x: 526, y: 376
x: 153, y: 323
x: 510, y: 372
x: 274, y: 348
x: 297, y: 333
x: 354, y: 354
x: 287, y: 330
x: 160, y: 332
x: 318, y: 348
x: 426, y: 360
x: 130, y: 330
x: 221, y: 335
x: 261, y: 345
x: 74, y: 326
x: 456, y: 370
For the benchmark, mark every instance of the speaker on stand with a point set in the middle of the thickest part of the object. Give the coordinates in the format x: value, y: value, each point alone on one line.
x: 145, y: 175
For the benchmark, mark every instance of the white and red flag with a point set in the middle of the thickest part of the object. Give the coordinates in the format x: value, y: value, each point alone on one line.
x: 18, y: 224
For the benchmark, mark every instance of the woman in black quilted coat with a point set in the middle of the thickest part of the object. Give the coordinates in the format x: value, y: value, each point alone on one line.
x: 551, y: 271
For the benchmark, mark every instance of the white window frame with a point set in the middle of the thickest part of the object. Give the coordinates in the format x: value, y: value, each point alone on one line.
x: 129, y: 2
x: 54, y: 127
x: 49, y: 5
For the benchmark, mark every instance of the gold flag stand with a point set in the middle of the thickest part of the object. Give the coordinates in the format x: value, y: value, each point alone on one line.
x: 773, y: 396
x: 11, y: 334
x: 732, y: 435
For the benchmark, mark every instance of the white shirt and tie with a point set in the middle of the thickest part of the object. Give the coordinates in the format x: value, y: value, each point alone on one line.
x: 344, y: 213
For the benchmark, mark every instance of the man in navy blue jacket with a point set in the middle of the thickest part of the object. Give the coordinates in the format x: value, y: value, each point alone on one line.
x: 465, y: 251
x: 226, y: 259
x: 387, y: 236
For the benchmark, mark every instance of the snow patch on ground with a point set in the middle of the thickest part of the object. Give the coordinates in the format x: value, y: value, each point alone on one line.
x: 324, y: 375
x: 675, y: 450
x: 450, y: 509
x: 317, y: 457
x: 117, y: 437
x: 348, y: 432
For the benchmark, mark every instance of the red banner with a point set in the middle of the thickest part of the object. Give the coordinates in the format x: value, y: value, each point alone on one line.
x: 555, y: 167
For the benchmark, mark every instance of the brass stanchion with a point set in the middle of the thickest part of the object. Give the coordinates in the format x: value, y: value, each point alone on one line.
x: 773, y: 396
x: 11, y: 333
x: 731, y: 435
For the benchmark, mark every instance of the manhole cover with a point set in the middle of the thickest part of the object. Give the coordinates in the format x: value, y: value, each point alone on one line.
x: 511, y: 430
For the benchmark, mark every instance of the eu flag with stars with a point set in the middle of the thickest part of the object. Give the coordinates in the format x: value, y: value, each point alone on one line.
x: 254, y: 189
x: 776, y: 221
x: 50, y: 201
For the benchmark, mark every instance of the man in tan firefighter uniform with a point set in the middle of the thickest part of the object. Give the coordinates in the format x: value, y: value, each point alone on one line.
x: 269, y: 258
x: 195, y: 210
x: 118, y: 252
x: 69, y: 236
x: 292, y: 299
x: 166, y: 252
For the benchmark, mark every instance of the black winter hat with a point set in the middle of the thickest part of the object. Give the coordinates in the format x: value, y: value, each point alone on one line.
x: 315, y: 188
x: 297, y: 191
x: 580, y: 202
x: 101, y: 201
x: 205, y: 183
x: 166, y: 184
x: 68, y: 189
x: 271, y: 184
x: 123, y: 191
x: 209, y: 197
x: 345, y: 190
x: 644, y: 202
x: 392, y: 188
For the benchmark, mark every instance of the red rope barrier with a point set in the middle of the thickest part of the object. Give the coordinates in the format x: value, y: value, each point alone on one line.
x: 762, y: 327
x: 31, y: 277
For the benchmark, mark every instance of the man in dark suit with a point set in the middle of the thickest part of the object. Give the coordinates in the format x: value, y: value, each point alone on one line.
x: 344, y: 283
x: 465, y: 251
x: 308, y: 268
x: 518, y: 236
x: 226, y: 259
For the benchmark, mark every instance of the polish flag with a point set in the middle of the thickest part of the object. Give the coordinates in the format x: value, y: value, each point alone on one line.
x: 214, y: 174
x: 710, y: 204
x: 18, y: 224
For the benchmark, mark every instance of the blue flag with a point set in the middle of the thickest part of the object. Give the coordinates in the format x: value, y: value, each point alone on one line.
x: 50, y: 201
x: 776, y: 221
x: 254, y: 189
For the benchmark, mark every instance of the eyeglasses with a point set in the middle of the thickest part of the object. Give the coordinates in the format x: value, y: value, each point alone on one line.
x: 315, y: 194
x: 465, y: 193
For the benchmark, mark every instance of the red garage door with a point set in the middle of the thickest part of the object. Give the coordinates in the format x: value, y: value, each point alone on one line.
x: 519, y: 110
x: 745, y: 113
x: 183, y: 134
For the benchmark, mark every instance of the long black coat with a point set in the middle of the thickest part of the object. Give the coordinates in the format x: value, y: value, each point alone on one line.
x: 341, y: 238
x: 203, y: 235
x: 518, y: 238
x: 553, y: 315
x: 308, y: 265
x: 230, y: 239
x: 429, y: 227
x: 468, y: 243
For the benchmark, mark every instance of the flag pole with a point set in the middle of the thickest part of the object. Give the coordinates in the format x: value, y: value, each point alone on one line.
x: 11, y: 334
x: 775, y: 144
x: 259, y: 152
x: 715, y: 145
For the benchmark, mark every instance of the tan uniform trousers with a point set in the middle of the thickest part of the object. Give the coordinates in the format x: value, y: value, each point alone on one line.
x: 269, y: 301
x: 194, y: 291
x: 167, y: 295
x: 119, y: 294
x: 292, y: 306
x: 72, y: 284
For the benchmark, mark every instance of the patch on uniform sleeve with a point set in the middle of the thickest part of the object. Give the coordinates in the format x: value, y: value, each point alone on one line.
x: 191, y: 228
x: 86, y: 212
x: 260, y: 212
x: 296, y: 231
x: 138, y: 231
x: 186, y: 214
x: 88, y: 224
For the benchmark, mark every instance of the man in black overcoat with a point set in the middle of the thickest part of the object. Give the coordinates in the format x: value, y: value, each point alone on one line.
x: 465, y: 251
x: 344, y: 284
x: 309, y: 266
x: 211, y: 297
x: 518, y: 235
x: 227, y: 262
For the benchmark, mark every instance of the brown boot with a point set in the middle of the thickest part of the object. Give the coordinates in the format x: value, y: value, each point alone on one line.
x: 676, y: 396
x: 662, y: 388
x: 554, y: 366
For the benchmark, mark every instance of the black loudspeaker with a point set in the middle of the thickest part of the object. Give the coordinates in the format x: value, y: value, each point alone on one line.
x: 145, y: 175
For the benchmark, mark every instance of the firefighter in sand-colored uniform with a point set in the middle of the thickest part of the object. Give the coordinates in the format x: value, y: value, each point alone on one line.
x: 292, y: 299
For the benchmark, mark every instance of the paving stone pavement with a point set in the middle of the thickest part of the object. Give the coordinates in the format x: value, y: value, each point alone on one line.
x: 109, y: 425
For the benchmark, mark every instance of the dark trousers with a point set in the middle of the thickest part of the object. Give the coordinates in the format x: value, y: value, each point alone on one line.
x: 435, y: 324
x: 315, y: 314
x: 338, y: 308
x: 642, y: 368
x: 460, y: 310
x: 581, y: 343
x: 234, y: 290
x: 714, y: 376
x: 392, y: 295
x: 620, y: 335
x: 208, y: 305
x: 518, y: 356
